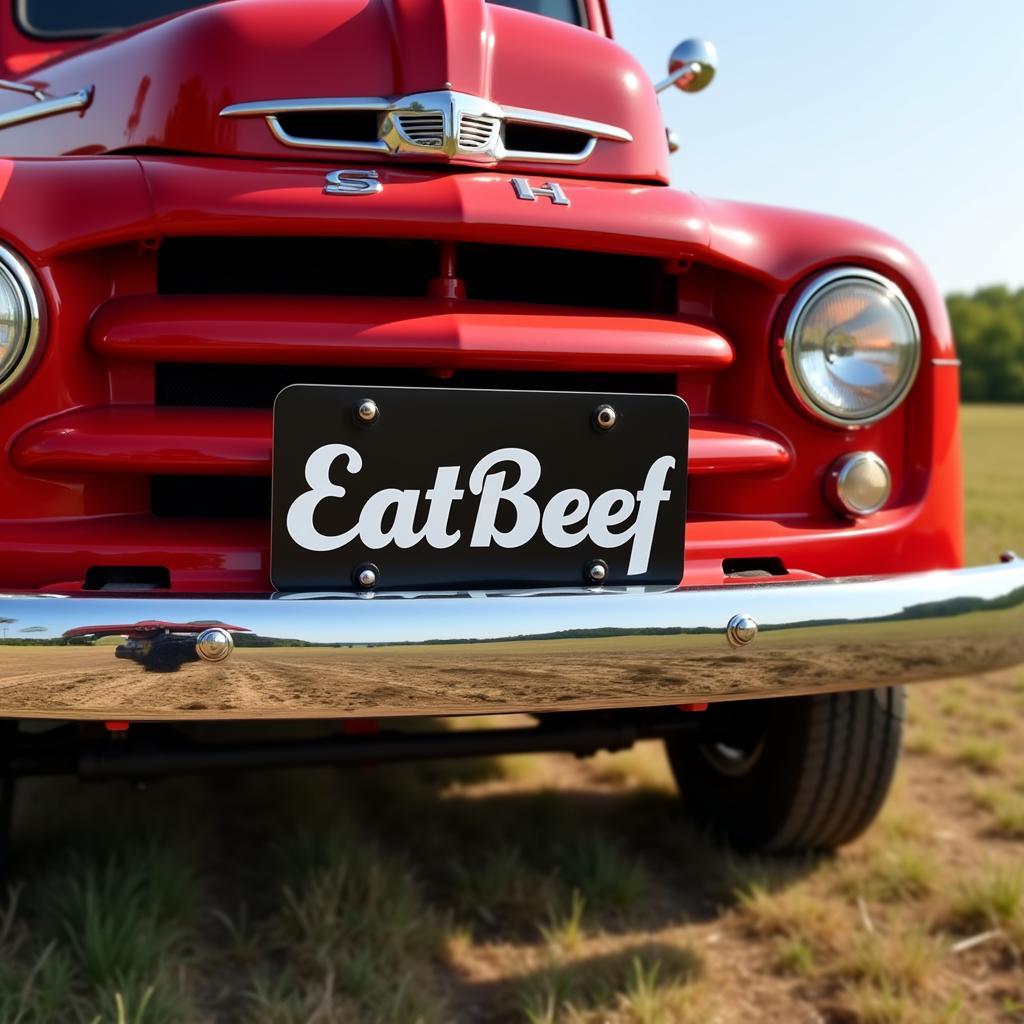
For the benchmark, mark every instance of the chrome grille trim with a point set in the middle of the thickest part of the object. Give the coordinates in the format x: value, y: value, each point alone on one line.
x: 443, y: 123
x: 426, y: 129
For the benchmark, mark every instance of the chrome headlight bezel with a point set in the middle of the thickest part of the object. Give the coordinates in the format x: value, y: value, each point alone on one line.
x: 23, y: 284
x: 815, y: 289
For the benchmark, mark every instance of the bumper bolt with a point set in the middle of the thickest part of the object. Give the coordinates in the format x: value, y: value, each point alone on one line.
x: 742, y: 630
x: 605, y: 417
x: 365, y: 576
x: 597, y: 571
x: 214, y: 645
x: 367, y: 411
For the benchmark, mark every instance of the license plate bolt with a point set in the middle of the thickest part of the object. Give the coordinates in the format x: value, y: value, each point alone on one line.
x: 605, y: 417
x: 596, y: 571
x: 365, y: 576
x: 367, y: 411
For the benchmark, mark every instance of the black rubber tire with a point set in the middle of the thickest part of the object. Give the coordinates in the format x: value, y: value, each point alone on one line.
x: 815, y: 773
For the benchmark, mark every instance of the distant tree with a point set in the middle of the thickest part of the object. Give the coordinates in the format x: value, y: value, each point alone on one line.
x: 989, y: 331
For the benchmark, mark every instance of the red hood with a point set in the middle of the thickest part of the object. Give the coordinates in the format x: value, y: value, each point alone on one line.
x: 162, y: 87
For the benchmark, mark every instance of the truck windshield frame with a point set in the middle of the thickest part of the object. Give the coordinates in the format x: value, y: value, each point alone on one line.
x: 70, y: 19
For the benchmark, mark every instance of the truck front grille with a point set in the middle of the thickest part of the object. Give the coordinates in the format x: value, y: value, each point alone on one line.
x: 182, y: 454
x: 389, y: 267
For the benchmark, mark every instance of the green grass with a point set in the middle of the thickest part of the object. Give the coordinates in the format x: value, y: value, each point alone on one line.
x: 992, y: 438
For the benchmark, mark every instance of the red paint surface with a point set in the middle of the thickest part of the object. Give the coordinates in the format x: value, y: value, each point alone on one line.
x: 81, y: 437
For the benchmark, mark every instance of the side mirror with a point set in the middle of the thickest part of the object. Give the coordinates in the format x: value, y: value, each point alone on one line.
x: 691, y: 66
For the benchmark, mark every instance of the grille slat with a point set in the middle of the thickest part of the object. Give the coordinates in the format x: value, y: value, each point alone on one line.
x: 477, y: 132
x: 425, y: 129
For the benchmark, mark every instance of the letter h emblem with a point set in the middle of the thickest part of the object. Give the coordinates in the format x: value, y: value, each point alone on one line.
x: 551, y: 189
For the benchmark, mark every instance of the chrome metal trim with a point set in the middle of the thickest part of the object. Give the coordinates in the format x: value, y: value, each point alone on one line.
x: 264, y: 108
x: 379, y: 654
x: 811, y: 291
x: 79, y: 100
x: 28, y: 90
x: 270, y: 108
x: 551, y: 189
x: 20, y: 275
x: 452, y: 108
x: 945, y: 362
x: 355, y: 181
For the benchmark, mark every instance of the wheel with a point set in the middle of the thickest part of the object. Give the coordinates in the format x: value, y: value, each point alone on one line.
x: 794, y: 773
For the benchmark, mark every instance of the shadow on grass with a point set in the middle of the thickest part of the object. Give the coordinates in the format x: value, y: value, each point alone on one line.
x: 337, y: 882
x: 602, y: 982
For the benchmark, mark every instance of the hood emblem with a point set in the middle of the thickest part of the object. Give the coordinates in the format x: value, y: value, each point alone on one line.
x: 524, y: 190
x: 352, y: 183
x: 443, y: 124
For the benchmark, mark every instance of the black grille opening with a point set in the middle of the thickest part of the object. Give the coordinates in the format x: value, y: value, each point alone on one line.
x: 565, y: 277
x: 255, y: 387
x: 127, y: 577
x: 296, y: 266
x: 332, y: 125
x: 753, y: 567
x: 535, y: 138
x: 210, y: 497
x: 387, y: 267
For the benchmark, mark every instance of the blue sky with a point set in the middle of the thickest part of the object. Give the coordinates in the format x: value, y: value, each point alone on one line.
x: 905, y: 114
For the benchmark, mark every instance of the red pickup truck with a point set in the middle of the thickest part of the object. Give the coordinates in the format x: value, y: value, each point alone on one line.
x: 358, y: 362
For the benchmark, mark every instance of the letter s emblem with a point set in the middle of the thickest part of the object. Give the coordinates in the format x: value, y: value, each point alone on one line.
x: 352, y: 183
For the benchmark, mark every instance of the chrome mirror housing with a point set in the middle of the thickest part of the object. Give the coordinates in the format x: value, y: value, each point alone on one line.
x: 691, y: 66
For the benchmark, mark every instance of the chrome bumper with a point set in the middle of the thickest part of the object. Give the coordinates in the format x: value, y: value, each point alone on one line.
x: 470, y: 653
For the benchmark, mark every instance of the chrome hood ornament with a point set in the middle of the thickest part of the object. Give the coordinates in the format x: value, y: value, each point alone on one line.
x: 439, y: 124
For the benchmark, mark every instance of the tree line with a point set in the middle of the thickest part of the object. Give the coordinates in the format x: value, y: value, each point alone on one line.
x: 989, y: 331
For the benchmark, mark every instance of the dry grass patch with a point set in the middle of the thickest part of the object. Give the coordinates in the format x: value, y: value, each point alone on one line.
x: 890, y: 871
x: 900, y: 959
x: 1006, y: 808
x: 981, y: 754
x: 992, y: 898
x: 797, y: 916
x: 650, y: 984
x: 564, y: 931
x: 871, y: 1005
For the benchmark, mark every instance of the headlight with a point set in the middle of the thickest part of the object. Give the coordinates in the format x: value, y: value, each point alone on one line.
x: 20, y: 305
x: 852, y: 346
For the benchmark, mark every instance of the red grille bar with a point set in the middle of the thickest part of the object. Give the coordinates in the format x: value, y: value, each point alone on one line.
x: 228, y: 442
x: 428, y: 333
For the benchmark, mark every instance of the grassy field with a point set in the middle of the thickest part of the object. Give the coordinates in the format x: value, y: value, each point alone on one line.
x: 539, y: 889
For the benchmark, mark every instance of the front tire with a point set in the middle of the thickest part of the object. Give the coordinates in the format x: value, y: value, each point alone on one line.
x: 794, y: 773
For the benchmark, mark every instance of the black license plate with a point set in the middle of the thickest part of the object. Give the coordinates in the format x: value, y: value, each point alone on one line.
x: 446, y: 488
